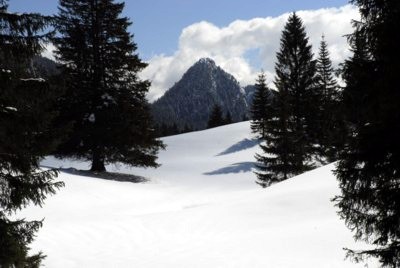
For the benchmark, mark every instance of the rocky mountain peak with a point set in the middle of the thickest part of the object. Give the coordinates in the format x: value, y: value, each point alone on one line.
x: 191, y: 99
x: 206, y: 61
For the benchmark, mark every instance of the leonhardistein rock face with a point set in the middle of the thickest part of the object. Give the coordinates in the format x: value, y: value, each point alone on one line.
x: 190, y: 101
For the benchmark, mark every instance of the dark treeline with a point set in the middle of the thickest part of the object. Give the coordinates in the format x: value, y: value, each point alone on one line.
x: 216, y: 118
x: 312, y: 121
x: 165, y: 130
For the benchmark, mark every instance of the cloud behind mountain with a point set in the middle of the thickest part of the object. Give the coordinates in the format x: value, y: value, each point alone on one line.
x: 244, y: 47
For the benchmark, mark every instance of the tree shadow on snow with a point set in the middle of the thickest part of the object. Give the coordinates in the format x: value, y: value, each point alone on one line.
x: 240, y: 146
x: 234, y: 168
x: 113, y: 176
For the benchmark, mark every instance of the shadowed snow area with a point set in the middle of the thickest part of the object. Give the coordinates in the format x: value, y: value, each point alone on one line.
x: 241, y: 145
x: 234, y: 168
x: 183, y: 217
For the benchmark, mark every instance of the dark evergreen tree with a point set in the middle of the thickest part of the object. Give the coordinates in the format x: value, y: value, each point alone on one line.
x: 187, y: 129
x: 164, y: 130
x: 261, y: 100
x: 105, y: 99
x: 289, y: 143
x: 228, y: 118
x: 26, y: 104
x: 174, y: 129
x: 368, y: 170
x: 272, y: 165
x: 215, y: 118
x: 167, y: 130
x: 329, y: 129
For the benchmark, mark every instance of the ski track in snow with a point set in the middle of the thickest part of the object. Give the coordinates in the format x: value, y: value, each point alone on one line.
x: 201, y: 208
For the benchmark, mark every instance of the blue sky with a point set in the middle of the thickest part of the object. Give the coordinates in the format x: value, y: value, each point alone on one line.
x: 158, y: 23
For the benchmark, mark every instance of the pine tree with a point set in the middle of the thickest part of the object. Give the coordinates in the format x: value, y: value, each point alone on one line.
x: 173, y: 129
x: 187, y: 128
x: 261, y: 99
x: 288, y: 144
x: 105, y: 99
x: 228, y: 118
x: 328, y: 126
x: 26, y: 105
x: 164, y: 130
x: 368, y: 170
x: 272, y: 166
x: 215, y: 118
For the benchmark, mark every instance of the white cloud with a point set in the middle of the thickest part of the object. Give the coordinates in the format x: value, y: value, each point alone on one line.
x: 228, y: 45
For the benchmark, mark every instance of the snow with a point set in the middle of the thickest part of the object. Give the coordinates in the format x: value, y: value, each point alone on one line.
x: 92, y: 118
x: 201, y: 208
x: 40, y: 80
x: 10, y: 108
x: 107, y: 99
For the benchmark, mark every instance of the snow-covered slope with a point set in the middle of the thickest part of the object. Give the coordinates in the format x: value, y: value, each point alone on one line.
x: 201, y: 208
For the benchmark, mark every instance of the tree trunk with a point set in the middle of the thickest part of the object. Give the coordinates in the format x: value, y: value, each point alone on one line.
x: 97, y: 162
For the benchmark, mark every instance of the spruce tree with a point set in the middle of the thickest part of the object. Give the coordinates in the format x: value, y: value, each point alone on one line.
x: 187, y: 128
x: 215, y: 118
x: 228, y: 118
x: 26, y: 105
x: 105, y: 99
x: 261, y: 99
x: 288, y: 144
x: 163, y: 130
x: 271, y: 167
x: 295, y: 81
x: 173, y: 129
x: 368, y: 170
x: 328, y: 128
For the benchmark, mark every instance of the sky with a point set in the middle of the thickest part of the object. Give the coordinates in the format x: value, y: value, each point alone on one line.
x: 242, y: 36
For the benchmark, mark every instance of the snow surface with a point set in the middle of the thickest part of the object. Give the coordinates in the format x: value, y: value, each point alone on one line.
x: 201, y: 208
x: 41, y: 80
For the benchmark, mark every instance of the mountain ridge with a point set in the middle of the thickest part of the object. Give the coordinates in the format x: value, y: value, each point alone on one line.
x: 190, y: 100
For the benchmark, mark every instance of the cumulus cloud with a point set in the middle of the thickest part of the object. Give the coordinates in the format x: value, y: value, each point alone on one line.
x: 230, y: 46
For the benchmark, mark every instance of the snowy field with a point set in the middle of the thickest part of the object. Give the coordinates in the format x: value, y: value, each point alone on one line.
x: 201, y: 208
